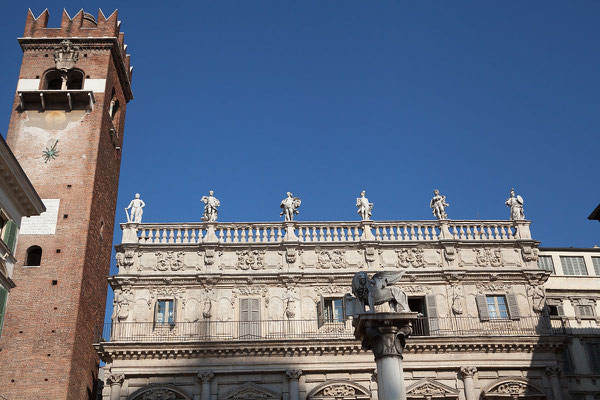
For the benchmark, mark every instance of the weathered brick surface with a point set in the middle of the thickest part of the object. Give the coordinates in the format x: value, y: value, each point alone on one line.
x: 46, y: 346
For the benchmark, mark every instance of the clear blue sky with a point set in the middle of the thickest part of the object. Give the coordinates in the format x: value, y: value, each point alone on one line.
x: 326, y: 98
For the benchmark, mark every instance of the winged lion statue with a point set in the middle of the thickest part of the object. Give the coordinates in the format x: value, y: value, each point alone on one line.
x: 379, y: 289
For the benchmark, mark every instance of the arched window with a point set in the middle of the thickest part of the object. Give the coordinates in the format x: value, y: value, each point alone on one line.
x: 34, y: 256
x: 55, y: 79
x: 52, y: 80
x: 75, y: 79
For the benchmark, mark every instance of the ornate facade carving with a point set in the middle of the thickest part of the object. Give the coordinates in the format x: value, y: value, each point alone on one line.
x: 121, y: 304
x: 488, y: 257
x: 491, y: 287
x: 330, y: 259
x: 537, y: 294
x: 125, y: 259
x: 430, y: 389
x: 251, y: 259
x: 160, y: 394
x: 208, y: 255
x: 66, y: 55
x: 512, y: 388
x: 206, y: 376
x: 530, y: 253
x: 415, y: 288
x: 457, y: 298
x: 250, y: 391
x: 169, y: 260
x: 294, y: 373
x: 468, y: 371
x: 410, y: 257
x: 346, y: 390
x: 115, y: 379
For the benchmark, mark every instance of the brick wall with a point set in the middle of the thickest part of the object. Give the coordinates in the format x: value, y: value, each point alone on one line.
x: 52, y: 314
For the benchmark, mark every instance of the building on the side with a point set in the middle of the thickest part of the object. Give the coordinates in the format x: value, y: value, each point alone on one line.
x: 66, y: 131
x: 18, y: 199
x: 573, y: 295
x: 220, y: 311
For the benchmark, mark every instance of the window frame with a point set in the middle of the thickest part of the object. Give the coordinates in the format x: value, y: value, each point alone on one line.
x: 330, y: 317
x: 170, y: 300
x: 566, y: 265
x: 497, y: 307
x: 596, y: 264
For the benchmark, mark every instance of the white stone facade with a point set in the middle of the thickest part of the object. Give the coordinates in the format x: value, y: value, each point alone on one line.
x: 256, y: 311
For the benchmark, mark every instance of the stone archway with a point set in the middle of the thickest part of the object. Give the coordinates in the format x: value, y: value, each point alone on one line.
x: 512, y: 388
x: 339, y: 390
x: 159, y: 392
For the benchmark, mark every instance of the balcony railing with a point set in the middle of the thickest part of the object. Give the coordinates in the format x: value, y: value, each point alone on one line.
x: 242, y: 331
x: 318, y: 232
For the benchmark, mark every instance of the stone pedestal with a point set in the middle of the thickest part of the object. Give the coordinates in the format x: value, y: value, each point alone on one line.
x: 386, y: 334
x: 211, y: 235
x: 129, y: 232
x: 290, y: 235
x: 367, y: 235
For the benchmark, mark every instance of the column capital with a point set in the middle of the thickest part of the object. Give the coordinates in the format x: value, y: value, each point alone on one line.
x: 206, y: 376
x: 294, y: 373
x: 553, y: 371
x: 384, y: 333
x: 115, y: 379
x: 468, y: 371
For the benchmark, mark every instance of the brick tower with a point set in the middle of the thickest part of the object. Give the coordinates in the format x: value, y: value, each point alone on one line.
x: 66, y: 130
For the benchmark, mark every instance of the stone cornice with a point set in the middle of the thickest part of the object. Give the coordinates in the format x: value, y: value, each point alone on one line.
x: 109, y: 351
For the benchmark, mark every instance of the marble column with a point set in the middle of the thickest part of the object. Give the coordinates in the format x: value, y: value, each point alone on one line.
x: 386, y: 334
x: 115, y: 381
x: 205, y: 378
x: 467, y: 377
x: 553, y: 374
x: 293, y: 376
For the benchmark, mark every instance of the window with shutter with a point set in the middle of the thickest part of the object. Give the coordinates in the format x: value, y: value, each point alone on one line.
x: 482, y: 307
x: 165, y: 312
x: 573, y: 265
x: 432, y: 315
x: 596, y: 262
x: 321, y: 311
x: 545, y: 263
x: 10, y: 235
x: 3, y: 300
x: 584, y: 311
x: 249, y: 317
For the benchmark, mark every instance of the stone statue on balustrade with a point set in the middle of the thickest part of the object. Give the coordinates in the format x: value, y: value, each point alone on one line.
x: 365, y: 209
x: 438, y: 205
x: 290, y: 205
x: 379, y: 289
x: 516, y: 206
x: 210, y: 208
x: 137, y: 211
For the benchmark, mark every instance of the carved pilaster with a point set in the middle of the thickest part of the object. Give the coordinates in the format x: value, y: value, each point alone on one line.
x: 205, y: 378
x: 553, y: 374
x: 467, y: 377
x: 294, y: 375
x: 115, y: 381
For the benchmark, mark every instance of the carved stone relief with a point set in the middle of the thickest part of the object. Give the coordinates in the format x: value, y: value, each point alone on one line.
x: 251, y: 291
x: 330, y: 259
x: 125, y: 259
x: 123, y: 298
x: 169, y: 260
x: 537, y: 294
x: 530, y: 254
x: 457, y: 298
x: 487, y: 257
x: 251, y: 259
x: 208, y: 256
x: 410, y: 257
x: 484, y: 288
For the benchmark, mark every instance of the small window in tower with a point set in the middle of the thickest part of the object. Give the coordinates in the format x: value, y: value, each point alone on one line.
x: 74, y: 80
x: 52, y: 80
x: 34, y: 256
x: 114, y: 108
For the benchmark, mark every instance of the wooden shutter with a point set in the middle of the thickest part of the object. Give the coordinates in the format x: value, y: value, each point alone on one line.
x: 3, y: 298
x: 484, y: 315
x: 561, y: 310
x: 254, y: 310
x: 432, y: 314
x: 513, y: 306
x: 174, y: 319
x: 321, y: 311
x: 10, y: 235
x: 244, y: 310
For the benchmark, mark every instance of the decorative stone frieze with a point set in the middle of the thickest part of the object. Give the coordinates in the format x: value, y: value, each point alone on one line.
x: 492, y: 287
x: 410, y: 257
x: 488, y: 257
x: 169, y: 260
x: 251, y: 259
x: 330, y: 258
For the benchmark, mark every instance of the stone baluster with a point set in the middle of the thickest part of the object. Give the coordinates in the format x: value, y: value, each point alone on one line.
x: 467, y: 377
x: 553, y: 374
x: 205, y: 378
x: 294, y: 375
x: 115, y: 381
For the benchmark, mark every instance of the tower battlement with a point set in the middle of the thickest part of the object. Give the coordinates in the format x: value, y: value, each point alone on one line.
x: 83, y: 27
